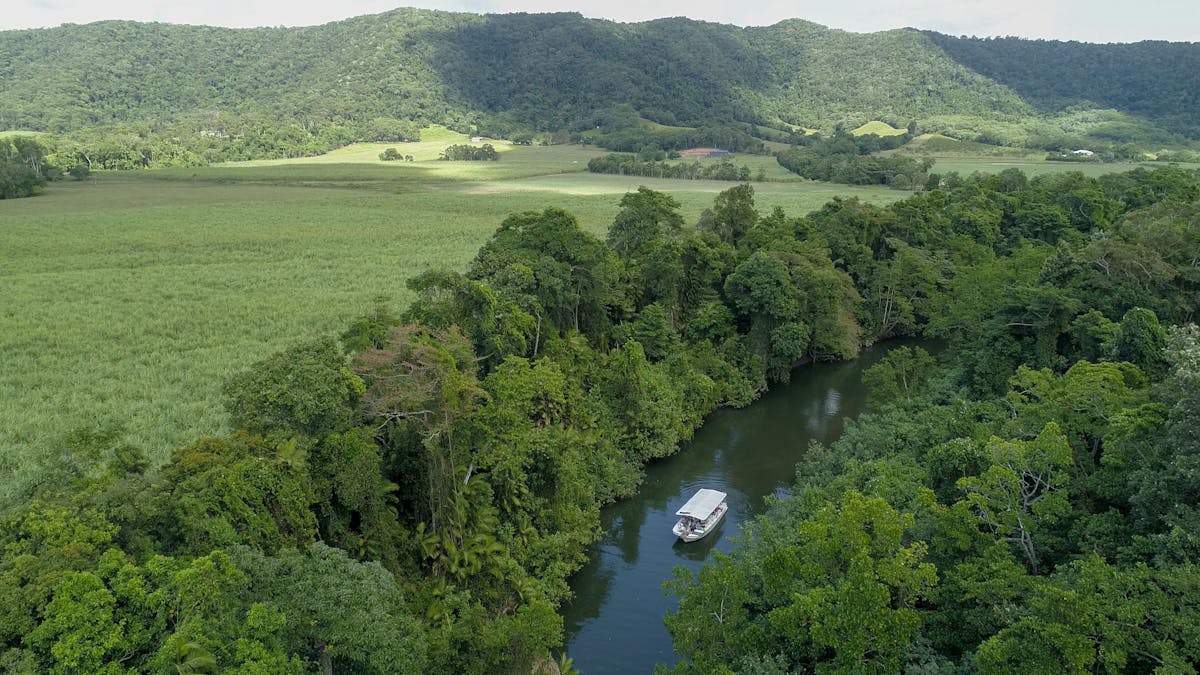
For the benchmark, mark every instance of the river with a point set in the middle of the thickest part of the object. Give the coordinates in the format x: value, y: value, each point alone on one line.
x: 614, y: 624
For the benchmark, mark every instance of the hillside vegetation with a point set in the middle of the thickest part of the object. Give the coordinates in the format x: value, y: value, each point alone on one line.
x: 289, y: 91
x: 1159, y: 81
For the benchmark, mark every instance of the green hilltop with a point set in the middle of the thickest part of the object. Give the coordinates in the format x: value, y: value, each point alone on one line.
x: 566, y: 73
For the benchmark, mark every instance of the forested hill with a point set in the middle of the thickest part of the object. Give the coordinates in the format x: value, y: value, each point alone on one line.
x: 551, y: 71
x: 1157, y: 80
x: 545, y: 72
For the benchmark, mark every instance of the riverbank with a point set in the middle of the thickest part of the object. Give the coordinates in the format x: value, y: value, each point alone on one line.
x: 614, y: 624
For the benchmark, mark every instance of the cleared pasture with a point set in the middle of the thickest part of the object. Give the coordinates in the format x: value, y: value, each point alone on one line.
x: 1033, y: 167
x: 878, y: 128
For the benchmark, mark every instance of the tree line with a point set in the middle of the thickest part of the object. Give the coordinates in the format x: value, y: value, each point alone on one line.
x: 845, y: 158
x: 470, y: 153
x: 23, y: 167
x: 413, y: 494
x: 625, y: 164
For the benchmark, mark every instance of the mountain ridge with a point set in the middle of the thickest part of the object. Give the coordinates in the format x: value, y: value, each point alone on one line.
x: 547, y: 72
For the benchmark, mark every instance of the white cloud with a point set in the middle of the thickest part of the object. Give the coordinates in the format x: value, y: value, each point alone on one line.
x: 1094, y: 20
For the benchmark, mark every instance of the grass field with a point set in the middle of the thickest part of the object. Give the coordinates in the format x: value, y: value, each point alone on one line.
x: 1033, y: 167
x: 967, y: 157
x: 130, y: 298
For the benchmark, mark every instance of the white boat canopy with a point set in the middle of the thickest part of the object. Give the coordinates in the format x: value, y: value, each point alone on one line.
x: 702, y: 504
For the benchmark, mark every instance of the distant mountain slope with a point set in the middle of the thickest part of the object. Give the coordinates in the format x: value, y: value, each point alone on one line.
x: 558, y: 69
x: 899, y: 73
x: 549, y: 72
x: 1155, y: 80
x: 75, y: 76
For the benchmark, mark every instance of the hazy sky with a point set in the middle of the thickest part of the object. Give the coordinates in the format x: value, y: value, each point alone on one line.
x: 1087, y: 20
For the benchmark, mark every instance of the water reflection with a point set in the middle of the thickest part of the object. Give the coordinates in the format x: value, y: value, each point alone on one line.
x: 615, y: 622
x: 625, y: 530
x: 698, y: 550
x: 587, y: 606
x: 833, y: 402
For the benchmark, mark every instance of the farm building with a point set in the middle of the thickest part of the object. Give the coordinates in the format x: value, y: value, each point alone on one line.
x: 701, y: 153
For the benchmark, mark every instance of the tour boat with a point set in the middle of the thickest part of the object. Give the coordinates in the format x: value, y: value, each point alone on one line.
x: 700, y: 515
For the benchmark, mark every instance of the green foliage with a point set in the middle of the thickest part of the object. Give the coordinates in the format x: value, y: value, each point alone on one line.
x: 353, y: 502
x: 421, y: 387
x: 901, y: 375
x: 574, y: 275
x: 308, y: 390
x: 643, y: 411
x: 1094, y: 617
x: 1140, y: 340
x: 498, y: 325
x: 853, y: 586
x: 42, y: 543
x: 242, y: 489
x: 653, y: 330
x: 846, y: 158
x: 389, y: 129
x: 163, y: 615
x: 338, y: 612
x: 390, y: 155
x: 841, y: 596
x: 22, y: 167
x: 1052, y: 74
x: 1023, y: 491
x: 760, y: 286
x: 632, y: 165
x: 628, y: 134
x: 470, y: 153
x: 1051, y: 490
x: 732, y: 214
x: 645, y: 218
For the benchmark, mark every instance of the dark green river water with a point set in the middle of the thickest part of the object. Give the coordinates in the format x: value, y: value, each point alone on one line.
x: 615, y: 622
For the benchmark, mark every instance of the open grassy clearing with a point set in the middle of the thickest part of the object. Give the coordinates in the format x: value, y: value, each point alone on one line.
x: 359, y: 166
x: 944, y: 146
x: 878, y: 128
x: 360, y: 162
x: 695, y: 195
x: 129, y: 299
x: 434, y: 139
x: 766, y: 163
x: 1033, y: 167
x: 966, y: 157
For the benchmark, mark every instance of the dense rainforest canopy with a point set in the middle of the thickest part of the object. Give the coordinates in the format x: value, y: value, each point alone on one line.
x: 139, y: 94
x: 413, y: 494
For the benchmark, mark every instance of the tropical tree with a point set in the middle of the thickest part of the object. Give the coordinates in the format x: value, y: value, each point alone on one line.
x: 1022, y: 492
